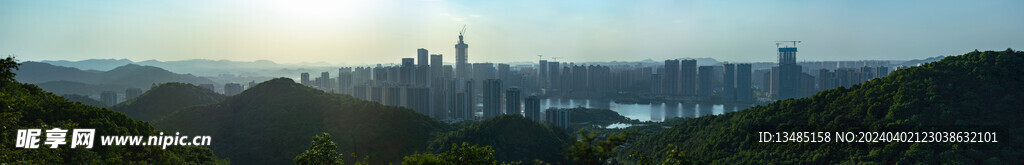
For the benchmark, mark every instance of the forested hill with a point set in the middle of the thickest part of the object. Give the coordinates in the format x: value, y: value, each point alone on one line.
x: 513, y: 137
x: 26, y: 106
x: 272, y: 122
x: 166, y: 99
x: 977, y: 91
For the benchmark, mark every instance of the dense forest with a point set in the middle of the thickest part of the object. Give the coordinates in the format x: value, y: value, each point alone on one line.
x: 599, y: 117
x: 26, y: 106
x: 165, y: 99
x: 977, y: 91
x: 272, y: 122
x: 513, y: 138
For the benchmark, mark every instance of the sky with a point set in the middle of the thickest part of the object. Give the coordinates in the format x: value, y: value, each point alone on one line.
x: 384, y: 31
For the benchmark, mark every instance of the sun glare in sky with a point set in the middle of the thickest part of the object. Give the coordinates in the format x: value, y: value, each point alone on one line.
x: 384, y: 31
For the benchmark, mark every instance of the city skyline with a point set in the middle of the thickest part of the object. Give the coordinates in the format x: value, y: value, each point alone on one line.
x: 361, y: 33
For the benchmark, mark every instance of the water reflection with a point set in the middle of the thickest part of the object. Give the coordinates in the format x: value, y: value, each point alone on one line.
x: 655, y: 111
x: 689, y: 110
x: 618, y: 125
x: 647, y: 112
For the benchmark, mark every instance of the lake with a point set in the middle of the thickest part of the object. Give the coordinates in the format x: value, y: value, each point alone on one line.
x: 648, y: 112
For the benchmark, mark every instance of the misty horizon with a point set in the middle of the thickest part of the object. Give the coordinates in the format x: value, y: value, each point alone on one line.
x: 356, y: 32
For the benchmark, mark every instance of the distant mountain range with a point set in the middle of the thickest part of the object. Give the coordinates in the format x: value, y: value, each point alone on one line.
x: 91, y: 64
x: 66, y: 80
x: 202, y: 67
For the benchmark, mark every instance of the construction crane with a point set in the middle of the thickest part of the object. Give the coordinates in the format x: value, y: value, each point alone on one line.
x: 463, y: 31
x: 777, y: 43
x: 555, y: 58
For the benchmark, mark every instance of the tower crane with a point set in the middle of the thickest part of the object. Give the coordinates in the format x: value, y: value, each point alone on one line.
x: 463, y: 31
x: 777, y: 43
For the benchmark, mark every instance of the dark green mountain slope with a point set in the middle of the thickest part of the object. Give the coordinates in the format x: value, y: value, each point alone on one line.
x: 970, y: 92
x: 78, y: 88
x: 25, y: 106
x: 85, y: 100
x: 601, y: 117
x: 272, y: 122
x: 513, y: 138
x: 165, y: 99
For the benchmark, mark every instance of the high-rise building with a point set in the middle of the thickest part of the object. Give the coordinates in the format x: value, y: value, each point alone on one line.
x: 451, y: 87
x: 406, y: 71
x: 393, y: 96
x: 577, y: 78
x: 789, y: 73
x: 462, y: 109
x: 304, y: 79
x: 380, y: 74
x: 360, y: 91
x: 421, y: 57
x: 688, y: 78
x: 436, y: 63
x: 492, y: 98
x: 881, y: 71
x: 447, y: 71
x: 542, y: 79
x: 504, y: 73
x: 558, y: 117
x: 705, y: 84
x: 131, y: 93
x: 344, y: 80
x: 533, y: 108
x: 729, y: 82
x: 325, y: 81
x: 464, y: 101
x: 461, y: 59
x: 395, y: 74
x: 806, y: 86
x: 670, y: 80
x: 377, y: 94
x: 483, y: 71
x: 773, y: 82
x: 554, y: 73
x: 422, y: 74
x: 598, y: 78
x: 438, y: 94
x: 109, y: 98
x: 655, y: 83
x: 418, y: 99
x: 251, y: 84
x: 232, y: 89
x: 512, y: 103
x: 826, y: 79
x: 744, y: 88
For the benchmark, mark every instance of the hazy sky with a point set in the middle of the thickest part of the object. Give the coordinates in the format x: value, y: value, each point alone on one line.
x: 383, y: 31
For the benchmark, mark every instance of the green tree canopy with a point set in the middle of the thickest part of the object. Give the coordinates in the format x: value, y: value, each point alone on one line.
x: 322, y: 151
x: 457, y: 154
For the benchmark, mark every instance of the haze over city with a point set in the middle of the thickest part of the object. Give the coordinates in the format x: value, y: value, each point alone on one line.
x: 369, y: 32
